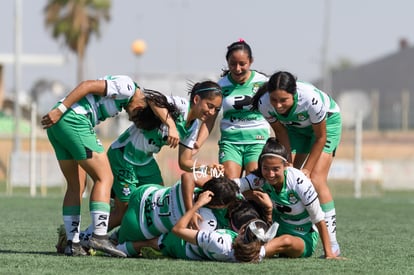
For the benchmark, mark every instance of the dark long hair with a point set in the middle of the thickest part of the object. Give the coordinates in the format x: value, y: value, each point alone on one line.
x: 278, y: 81
x: 146, y: 119
x: 224, y: 189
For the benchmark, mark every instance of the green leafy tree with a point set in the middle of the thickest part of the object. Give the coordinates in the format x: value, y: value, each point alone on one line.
x: 74, y: 22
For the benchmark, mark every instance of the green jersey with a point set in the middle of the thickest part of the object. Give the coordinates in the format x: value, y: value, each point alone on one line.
x: 141, y: 145
x: 239, y: 124
x: 119, y: 91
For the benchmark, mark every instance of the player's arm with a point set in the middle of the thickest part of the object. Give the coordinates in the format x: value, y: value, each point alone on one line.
x: 86, y: 87
x: 282, y: 136
x: 164, y: 116
x: 205, y: 130
x: 317, y: 147
x: 181, y: 227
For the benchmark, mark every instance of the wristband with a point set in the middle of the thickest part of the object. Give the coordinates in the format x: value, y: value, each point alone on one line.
x: 62, y: 108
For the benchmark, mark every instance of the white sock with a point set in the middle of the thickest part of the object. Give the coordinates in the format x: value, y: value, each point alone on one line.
x: 72, y: 227
x: 100, y: 221
x: 330, y: 218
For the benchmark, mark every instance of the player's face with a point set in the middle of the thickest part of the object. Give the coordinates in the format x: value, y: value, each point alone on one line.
x: 207, y: 107
x: 282, y: 101
x: 273, y: 170
x: 136, y: 104
x: 239, y: 66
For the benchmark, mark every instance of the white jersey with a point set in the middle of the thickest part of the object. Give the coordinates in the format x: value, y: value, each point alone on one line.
x: 214, y: 245
x: 311, y: 106
x: 141, y: 145
x: 294, y: 205
x: 119, y: 91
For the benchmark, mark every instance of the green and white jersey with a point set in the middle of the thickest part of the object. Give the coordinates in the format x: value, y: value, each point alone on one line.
x: 310, y: 106
x: 214, y: 245
x: 291, y: 207
x: 159, y: 209
x: 141, y: 145
x: 119, y: 91
x: 188, y: 135
x: 153, y: 210
x: 239, y: 124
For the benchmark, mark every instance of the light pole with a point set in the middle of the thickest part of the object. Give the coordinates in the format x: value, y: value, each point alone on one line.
x: 138, y: 48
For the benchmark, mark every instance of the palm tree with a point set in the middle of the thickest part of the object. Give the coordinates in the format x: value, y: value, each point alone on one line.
x: 76, y: 21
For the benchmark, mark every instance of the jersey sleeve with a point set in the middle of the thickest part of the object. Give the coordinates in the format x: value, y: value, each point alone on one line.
x: 119, y: 87
x: 249, y: 182
x: 216, y: 244
x: 266, y: 108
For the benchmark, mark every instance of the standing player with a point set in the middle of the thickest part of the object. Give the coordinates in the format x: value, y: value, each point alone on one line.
x: 243, y: 132
x: 70, y: 128
x: 131, y: 155
x: 308, y: 123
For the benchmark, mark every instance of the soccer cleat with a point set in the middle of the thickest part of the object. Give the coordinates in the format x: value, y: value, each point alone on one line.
x: 74, y: 249
x: 102, y: 243
x: 151, y: 253
x: 62, y: 241
x: 114, y: 237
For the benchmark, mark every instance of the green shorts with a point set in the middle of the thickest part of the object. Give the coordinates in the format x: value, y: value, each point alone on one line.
x: 310, y: 239
x: 127, y: 176
x: 73, y: 137
x: 172, y: 246
x: 242, y: 154
x: 302, y: 143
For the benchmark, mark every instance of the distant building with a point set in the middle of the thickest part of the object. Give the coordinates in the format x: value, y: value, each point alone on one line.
x: 389, y: 83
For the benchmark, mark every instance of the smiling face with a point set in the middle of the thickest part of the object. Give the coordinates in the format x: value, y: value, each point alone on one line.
x: 272, y: 169
x: 205, y: 108
x: 281, y: 100
x: 239, y: 65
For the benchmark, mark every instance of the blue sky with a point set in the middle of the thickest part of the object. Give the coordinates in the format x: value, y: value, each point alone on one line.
x: 192, y: 36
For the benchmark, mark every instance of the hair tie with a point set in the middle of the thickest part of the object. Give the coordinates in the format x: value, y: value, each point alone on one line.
x: 241, y: 40
x: 261, y: 234
x: 207, y: 89
x: 273, y: 155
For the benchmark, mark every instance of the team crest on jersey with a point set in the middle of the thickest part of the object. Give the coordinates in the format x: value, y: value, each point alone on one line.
x: 292, y: 198
x: 258, y: 182
x: 301, y: 117
x: 126, y: 191
x: 256, y: 87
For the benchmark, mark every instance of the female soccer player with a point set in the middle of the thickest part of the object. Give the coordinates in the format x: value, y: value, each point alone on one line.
x: 296, y: 209
x: 243, y: 132
x: 70, y: 128
x: 155, y: 209
x: 308, y: 123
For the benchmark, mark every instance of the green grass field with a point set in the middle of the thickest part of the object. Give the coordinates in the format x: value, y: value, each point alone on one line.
x: 375, y: 233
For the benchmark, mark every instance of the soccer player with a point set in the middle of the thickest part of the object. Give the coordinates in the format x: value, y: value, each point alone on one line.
x: 70, y: 129
x: 243, y: 131
x: 296, y: 209
x: 155, y: 209
x: 131, y: 155
x: 187, y: 242
x: 308, y: 123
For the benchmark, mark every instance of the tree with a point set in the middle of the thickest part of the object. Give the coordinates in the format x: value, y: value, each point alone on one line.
x: 76, y: 21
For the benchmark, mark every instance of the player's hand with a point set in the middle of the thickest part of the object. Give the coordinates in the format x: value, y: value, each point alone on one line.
x: 173, y: 138
x: 193, y: 224
x: 51, y: 118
